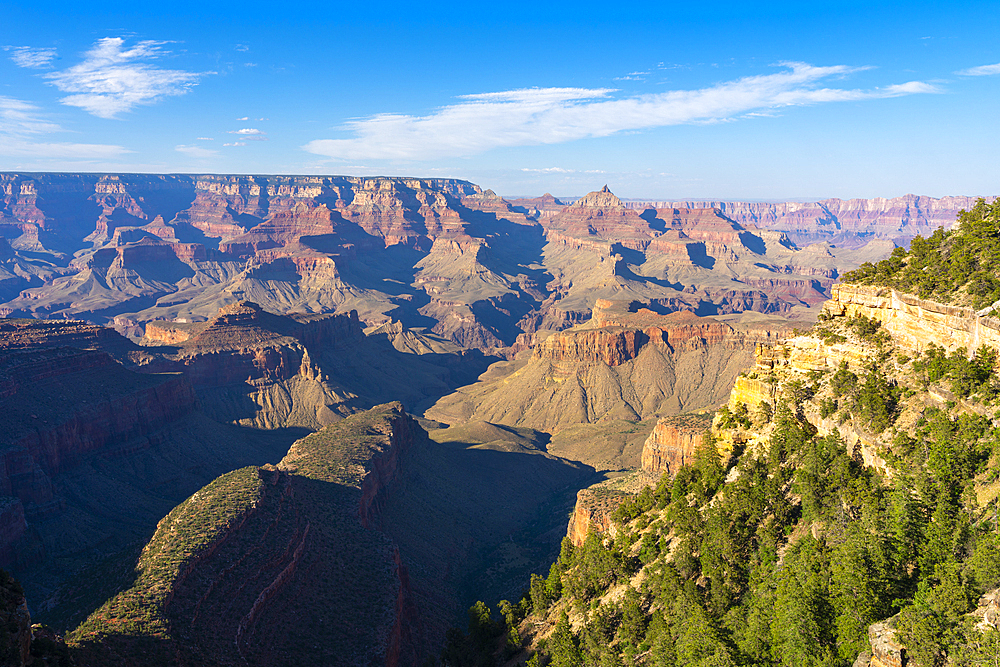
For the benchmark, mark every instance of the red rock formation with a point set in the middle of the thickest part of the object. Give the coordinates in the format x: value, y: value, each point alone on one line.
x: 673, y: 443
x: 617, y: 334
x: 593, y: 511
x: 613, y: 346
x: 24, y: 334
x: 600, y: 216
x: 61, y: 437
x: 399, y: 430
x: 545, y: 206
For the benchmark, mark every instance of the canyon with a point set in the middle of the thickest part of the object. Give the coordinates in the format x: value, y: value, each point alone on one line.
x: 273, y: 419
x: 438, y: 254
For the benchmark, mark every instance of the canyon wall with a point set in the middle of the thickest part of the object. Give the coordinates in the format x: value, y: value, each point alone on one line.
x: 592, y: 513
x: 840, y: 220
x: 673, y: 443
x: 626, y: 363
x: 131, y: 249
x: 913, y: 322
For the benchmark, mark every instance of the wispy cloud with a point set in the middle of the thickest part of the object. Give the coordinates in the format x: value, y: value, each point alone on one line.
x: 32, y: 58
x: 560, y: 170
x: 236, y: 143
x: 112, y: 79
x: 982, y: 70
x: 21, y: 123
x: 633, y: 76
x: 18, y: 117
x: 555, y: 115
x: 196, y: 151
x: 249, y: 134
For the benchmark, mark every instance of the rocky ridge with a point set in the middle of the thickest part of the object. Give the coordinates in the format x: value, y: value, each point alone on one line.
x: 247, y: 576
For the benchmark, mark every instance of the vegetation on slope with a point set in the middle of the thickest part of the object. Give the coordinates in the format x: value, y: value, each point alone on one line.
x: 184, y: 535
x: 957, y: 266
x: 787, y: 554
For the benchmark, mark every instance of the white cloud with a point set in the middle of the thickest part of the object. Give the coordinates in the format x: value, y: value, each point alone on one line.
x: 21, y: 123
x: 236, y: 143
x: 205, y: 139
x: 26, y: 56
x: 249, y: 134
x: 982, y: 70
x: 633, y: 76
x: 555, y: 115
x: 111, y: 80
x: 196, y: 151
x: 244, y: 118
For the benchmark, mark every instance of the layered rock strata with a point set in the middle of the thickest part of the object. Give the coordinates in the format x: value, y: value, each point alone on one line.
x: 628, y: 363
x: 913, y: 322
x: 899, y: 218
x: 592, y: 513
x: 673, y: 443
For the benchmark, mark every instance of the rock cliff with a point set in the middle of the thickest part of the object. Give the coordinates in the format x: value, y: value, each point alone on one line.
x: 913, y: 322
x: 593, y: 510
x: 673, y: 443
x: 63, y: 405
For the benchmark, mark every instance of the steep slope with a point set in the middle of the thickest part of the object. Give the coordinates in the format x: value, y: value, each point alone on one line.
x: 94, y: 454
x: 236, y: 574
x: 265, y: 370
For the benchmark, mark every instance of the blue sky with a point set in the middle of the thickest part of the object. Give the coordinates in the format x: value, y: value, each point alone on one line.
x: 732, y: 100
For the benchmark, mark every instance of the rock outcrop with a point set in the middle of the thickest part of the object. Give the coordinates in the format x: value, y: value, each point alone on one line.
x: 913, y: 322
x: 673, y: 443
x: 628, y: 363
x: 886, y: 651
x: 594, y: 508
